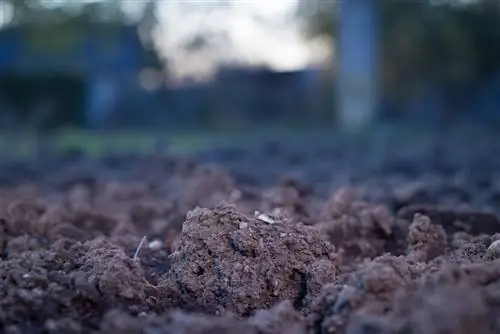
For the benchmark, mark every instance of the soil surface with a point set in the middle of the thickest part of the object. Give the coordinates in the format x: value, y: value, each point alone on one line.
x: 381, y: 235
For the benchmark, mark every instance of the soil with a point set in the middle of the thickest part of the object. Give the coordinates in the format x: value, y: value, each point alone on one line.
x: 381, y: 236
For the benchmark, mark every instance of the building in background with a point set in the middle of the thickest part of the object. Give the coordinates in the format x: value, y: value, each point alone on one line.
x: 84, y: 81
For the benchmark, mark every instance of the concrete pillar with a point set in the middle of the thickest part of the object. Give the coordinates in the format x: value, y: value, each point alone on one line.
x: 358, y: 63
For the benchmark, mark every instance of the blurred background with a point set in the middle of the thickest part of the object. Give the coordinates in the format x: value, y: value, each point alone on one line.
x: 149, y: 69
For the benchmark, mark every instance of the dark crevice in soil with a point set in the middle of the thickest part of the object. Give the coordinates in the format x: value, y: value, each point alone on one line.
x: 301, y: 279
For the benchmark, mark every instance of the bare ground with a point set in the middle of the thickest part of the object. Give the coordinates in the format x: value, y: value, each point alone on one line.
x: 376, y: 237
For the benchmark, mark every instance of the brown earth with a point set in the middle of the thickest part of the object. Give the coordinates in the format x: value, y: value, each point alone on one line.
x: 226, y: 256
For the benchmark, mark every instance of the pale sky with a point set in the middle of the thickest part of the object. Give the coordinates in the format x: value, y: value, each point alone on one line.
x: 254, y: 32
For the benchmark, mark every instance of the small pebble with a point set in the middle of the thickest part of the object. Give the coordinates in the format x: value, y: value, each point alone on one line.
x: 264, y: 218
x: 493, y: 252
x: 155, y: 245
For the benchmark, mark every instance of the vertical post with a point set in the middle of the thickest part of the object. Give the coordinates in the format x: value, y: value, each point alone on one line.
x: 358, y: 63
x: 100, y: 100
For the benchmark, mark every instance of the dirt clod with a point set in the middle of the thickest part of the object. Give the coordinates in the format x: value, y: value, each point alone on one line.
x: 218, y: 264
x: 426, y: 241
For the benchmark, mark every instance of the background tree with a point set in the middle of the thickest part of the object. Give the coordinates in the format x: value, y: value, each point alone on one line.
x: 448, y: 42
x: 58, y: 25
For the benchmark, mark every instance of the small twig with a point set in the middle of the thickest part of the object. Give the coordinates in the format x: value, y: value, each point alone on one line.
x: 136, y: 255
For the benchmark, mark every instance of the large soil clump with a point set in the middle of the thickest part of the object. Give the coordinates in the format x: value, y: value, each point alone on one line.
x: 227, y: 261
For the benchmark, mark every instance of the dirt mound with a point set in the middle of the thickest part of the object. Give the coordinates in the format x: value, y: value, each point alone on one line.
x: 433, y: 288
x: 359, y: 228
x: 227, y: 261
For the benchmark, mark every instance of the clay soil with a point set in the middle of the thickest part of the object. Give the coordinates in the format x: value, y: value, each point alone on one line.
x: 372, y: 236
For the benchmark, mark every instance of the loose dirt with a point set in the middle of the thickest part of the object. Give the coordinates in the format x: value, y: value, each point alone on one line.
x: 377, y: 237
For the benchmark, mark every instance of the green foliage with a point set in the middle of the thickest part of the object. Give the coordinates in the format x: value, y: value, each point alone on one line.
x: 57, y: 26
x: 450, y: 41
x: 43, y: 11
x: 319, y: 18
